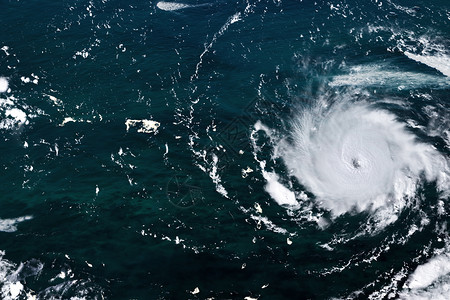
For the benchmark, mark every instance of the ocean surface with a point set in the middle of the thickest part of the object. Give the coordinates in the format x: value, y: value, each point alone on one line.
x: 224, y: 149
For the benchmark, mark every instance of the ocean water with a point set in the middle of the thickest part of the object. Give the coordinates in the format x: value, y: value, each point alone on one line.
x: 224, y: 150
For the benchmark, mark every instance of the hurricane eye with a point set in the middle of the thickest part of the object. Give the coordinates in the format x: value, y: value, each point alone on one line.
x: 356, y: 164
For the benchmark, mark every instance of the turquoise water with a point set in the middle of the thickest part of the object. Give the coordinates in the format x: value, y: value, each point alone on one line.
x: 195, y: 150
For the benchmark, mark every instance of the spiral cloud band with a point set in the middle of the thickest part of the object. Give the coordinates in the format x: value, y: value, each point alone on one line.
x: 354, y: 157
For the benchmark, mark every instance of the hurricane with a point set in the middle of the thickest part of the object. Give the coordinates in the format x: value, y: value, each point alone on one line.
x: 356, y: 156
x: 248, y: 149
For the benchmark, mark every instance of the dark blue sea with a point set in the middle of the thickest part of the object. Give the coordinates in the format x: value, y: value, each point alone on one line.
x: 224, y: 149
